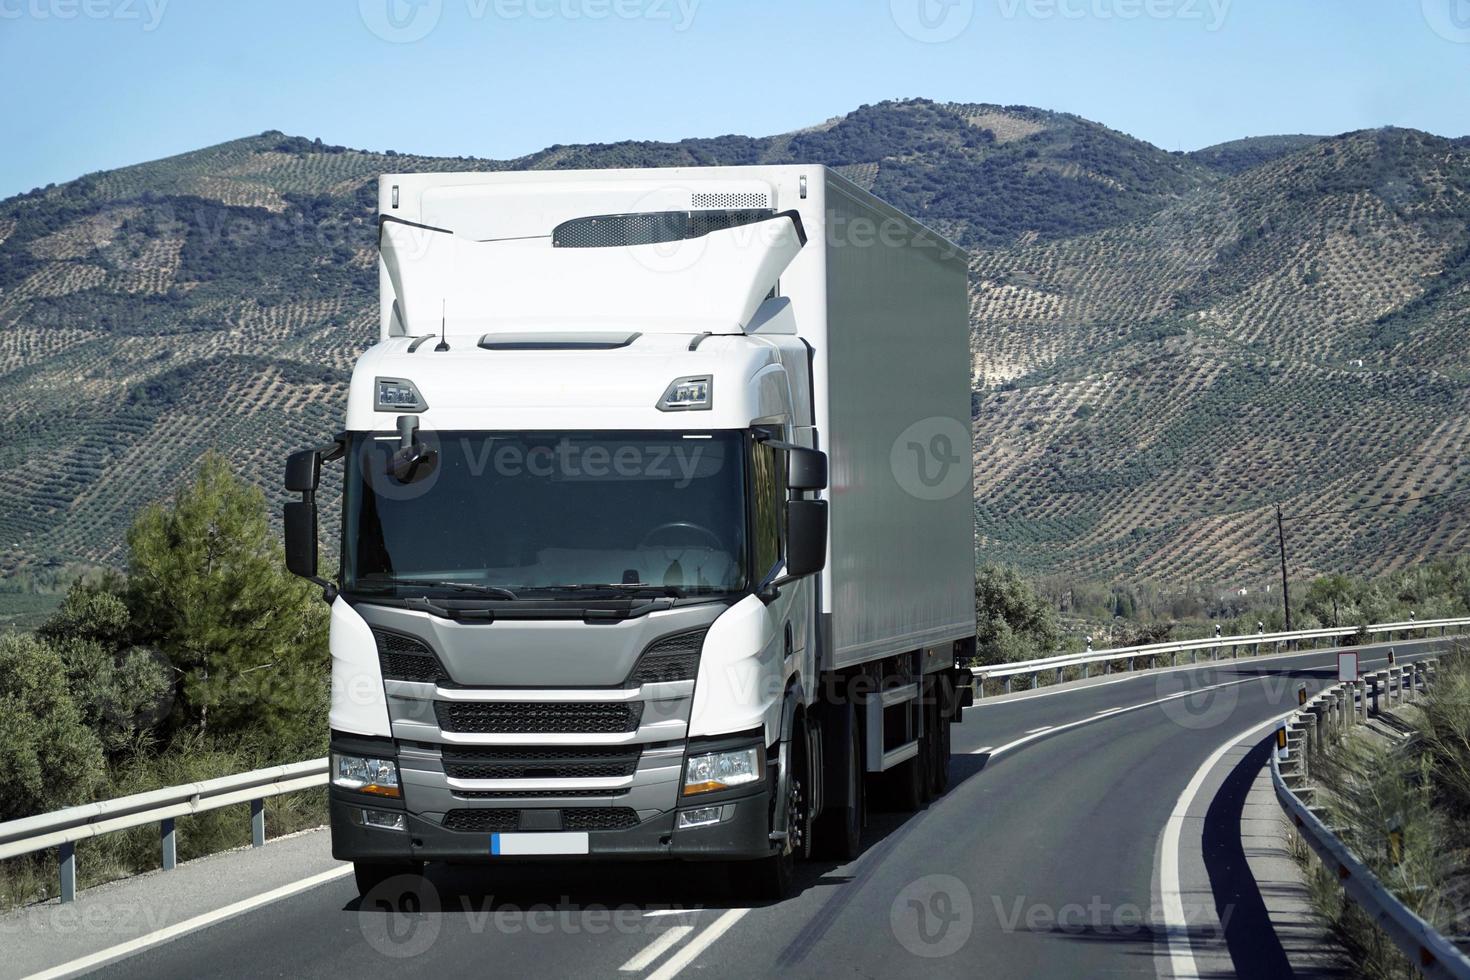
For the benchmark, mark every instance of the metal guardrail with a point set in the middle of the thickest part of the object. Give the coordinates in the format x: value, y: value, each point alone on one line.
x: 1321, y: 719
x: 1256, y: 641
x: 63, y: 828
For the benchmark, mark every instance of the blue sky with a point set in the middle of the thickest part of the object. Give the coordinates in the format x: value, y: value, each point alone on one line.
x: 95, y: 84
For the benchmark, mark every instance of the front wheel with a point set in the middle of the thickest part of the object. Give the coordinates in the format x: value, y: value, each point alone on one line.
x: 771, y: 879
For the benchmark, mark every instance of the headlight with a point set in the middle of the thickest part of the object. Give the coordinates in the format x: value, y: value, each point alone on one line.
x: 376, y: 776
x: 721, y: 770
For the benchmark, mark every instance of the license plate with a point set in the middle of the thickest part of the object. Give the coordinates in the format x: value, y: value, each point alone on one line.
x: 532, y: 845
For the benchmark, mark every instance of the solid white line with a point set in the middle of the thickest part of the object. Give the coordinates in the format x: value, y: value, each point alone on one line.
x: 1106, y: 711
x: 657, y: 912
x: 659, y: 947
x: 1038, y: 731
x: 1093, y: 719
x: 1182, y: 965
x: 982, y: 751
x: 697, y: 945
x: 164, y: 935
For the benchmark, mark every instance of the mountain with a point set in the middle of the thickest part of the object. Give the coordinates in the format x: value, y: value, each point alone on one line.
x: 1165, y: 345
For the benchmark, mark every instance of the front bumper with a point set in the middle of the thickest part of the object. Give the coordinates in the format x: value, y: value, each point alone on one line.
x: 744, y: 834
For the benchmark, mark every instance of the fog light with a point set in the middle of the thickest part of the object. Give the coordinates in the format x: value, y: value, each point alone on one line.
x: 699, y: 817
x: 380, y: 819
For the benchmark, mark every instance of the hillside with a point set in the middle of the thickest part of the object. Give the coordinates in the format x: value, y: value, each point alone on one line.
x: 1164, y: 344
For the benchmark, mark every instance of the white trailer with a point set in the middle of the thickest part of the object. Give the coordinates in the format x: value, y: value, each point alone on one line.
x: 657, y: 527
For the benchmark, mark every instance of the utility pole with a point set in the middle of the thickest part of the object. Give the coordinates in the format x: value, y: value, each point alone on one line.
x: 1281, y: 540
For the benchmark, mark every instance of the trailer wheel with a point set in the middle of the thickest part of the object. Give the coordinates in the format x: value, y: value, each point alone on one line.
x: 939, y: 742
x: 839, y: 834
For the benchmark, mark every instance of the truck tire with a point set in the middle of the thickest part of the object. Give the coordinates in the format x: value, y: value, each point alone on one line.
x: 771, y: 879
x: 939, y: 742
x: 372, y: 876
x: 839, y: 832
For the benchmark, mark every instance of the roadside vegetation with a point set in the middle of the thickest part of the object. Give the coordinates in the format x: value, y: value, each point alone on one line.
x: 206, y: 659
x: 1403, y: 806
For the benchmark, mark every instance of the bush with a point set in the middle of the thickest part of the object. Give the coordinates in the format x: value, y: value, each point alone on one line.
x: 1012, y: 622
x: 48, y: 757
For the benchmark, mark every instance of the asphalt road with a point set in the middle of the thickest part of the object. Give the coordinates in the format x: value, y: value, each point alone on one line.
x: 1052, y: 855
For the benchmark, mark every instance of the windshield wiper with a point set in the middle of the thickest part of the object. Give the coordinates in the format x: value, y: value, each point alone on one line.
x: 489, y: 590
x: 629, y: 588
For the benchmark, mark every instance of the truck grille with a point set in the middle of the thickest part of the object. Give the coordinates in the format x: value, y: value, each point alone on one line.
x: 673, y: 658
x: 539, y: 763
x: 537, y: 718
x: 574, y: 818
x: 482, y: 821
x: 599, y: 818
x: 535, y: 794
x: 403, y: 658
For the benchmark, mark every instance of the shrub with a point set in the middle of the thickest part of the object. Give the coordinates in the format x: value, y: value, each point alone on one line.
x: 48, y: 757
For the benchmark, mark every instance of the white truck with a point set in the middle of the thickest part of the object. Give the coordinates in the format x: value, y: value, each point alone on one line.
x: 657, y: 537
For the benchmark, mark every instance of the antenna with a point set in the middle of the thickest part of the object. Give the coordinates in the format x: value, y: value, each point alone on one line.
x: 443, y: 344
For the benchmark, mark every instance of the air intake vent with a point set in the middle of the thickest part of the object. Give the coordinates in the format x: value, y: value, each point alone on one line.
x: 404, y: 658
x: 599, y: 818
x: 650, y: 228
x: 532, y: 763
x: 706, y: 199
x: 537, y: 717
x: 481, y: 821
x: 673, y: 658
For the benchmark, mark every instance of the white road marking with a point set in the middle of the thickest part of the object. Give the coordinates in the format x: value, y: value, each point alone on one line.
x: 1092, y: 719
x: 659, y: 947
x: 1038, y: 731
x: 658, y: 912
x: 94, y: 960
x: 698, y: 944
x: 1182, y: 964
x: 982, y: 751
x: 1106, y: 711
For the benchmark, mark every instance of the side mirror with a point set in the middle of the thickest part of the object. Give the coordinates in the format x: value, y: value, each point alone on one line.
x: 806, y: 469
x: 301, y: 544
x: 806, y: 536
x: 303, y: 476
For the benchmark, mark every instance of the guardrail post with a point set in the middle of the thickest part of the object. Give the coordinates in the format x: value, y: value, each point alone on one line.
x: 1009, y: 678
x: 257, y: 823
x: 1035, y: 680
x: 1260, y: 631
x: 1059, y: 675
x: 66, y: 862
x: 169, y: 840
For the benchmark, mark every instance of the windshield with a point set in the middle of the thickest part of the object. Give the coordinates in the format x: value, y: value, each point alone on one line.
x: 542, y: 513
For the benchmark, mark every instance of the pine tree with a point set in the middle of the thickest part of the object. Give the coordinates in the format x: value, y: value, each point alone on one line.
x: 208, y: 588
